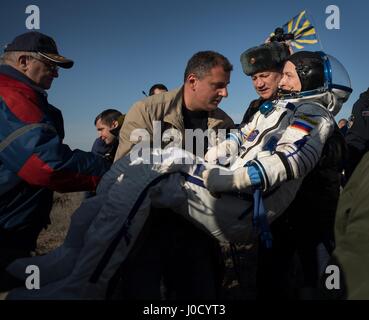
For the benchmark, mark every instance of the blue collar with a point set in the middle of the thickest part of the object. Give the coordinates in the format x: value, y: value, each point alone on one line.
x: 266, y: 108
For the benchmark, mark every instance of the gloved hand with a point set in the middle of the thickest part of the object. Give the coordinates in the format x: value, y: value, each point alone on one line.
x: 223, y: 153
x: 219, y: 180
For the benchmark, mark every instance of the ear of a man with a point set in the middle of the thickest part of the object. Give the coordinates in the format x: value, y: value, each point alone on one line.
x: 23, y: 62
x: 115, y: 124
x: 192, y: 80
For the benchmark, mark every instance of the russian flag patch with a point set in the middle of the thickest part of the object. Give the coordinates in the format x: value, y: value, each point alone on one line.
x: 302, y: 126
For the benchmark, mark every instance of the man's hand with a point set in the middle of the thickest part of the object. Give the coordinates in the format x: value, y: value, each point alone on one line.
x: 223, y: 153
x: 219, y: 180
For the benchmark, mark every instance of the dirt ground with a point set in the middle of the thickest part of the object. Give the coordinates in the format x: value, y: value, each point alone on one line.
x: 239, y: 282
x: 64, y: 206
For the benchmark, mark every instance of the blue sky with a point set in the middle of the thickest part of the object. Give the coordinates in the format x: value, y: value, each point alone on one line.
x: 123, y: 47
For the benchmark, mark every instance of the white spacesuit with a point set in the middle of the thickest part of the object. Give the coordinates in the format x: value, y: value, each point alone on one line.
x: 268, y: 158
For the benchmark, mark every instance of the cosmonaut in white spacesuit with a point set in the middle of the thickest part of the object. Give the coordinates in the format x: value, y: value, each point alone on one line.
x: 268, y: 158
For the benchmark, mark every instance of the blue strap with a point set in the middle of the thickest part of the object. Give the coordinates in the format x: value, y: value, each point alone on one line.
x: 194, y: 180
x: 254, y: 174
x: 260, y: 220
x: 199, y: 169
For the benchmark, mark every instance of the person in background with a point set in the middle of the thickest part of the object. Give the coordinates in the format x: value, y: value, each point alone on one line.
x: 264, y: 65
x: 157, y: 88
x: 357, y: 137
x: 108, y: 124
x: 343, y: 126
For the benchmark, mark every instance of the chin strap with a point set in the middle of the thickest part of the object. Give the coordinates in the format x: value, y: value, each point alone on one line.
x: 260, y: 220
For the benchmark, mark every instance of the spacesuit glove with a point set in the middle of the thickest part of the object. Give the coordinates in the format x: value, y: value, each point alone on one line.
x: 219, y: 180
x: 223, y: 153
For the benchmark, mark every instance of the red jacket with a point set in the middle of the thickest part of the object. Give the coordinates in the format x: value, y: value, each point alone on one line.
x: 33, y: 158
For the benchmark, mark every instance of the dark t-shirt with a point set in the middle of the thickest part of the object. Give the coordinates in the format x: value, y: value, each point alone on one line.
x: 188, y: 258
x: 196, y: 120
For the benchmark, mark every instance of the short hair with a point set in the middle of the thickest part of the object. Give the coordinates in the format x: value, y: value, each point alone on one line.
x: 343, y: 119
x: 108, y: 116
x: 6, y: 57
x: 11, y: 57
x: 159, y: 86
x: 202, y: 62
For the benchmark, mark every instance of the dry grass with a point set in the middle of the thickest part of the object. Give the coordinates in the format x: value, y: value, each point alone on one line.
x: 64, y: 206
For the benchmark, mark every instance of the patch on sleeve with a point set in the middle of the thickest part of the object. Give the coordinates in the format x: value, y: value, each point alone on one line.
x: 302, y: 125
x: 252, y: 135
x: 307, y: 119
x: 365, y: 113
x: 244, y: 132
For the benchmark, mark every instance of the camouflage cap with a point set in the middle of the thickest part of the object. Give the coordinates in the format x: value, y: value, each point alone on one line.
x: 264, y: 57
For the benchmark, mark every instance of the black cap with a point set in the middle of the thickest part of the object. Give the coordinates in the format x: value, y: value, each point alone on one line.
x: 42, y: 44
x: 267, y: 56
x: 310, y: 69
